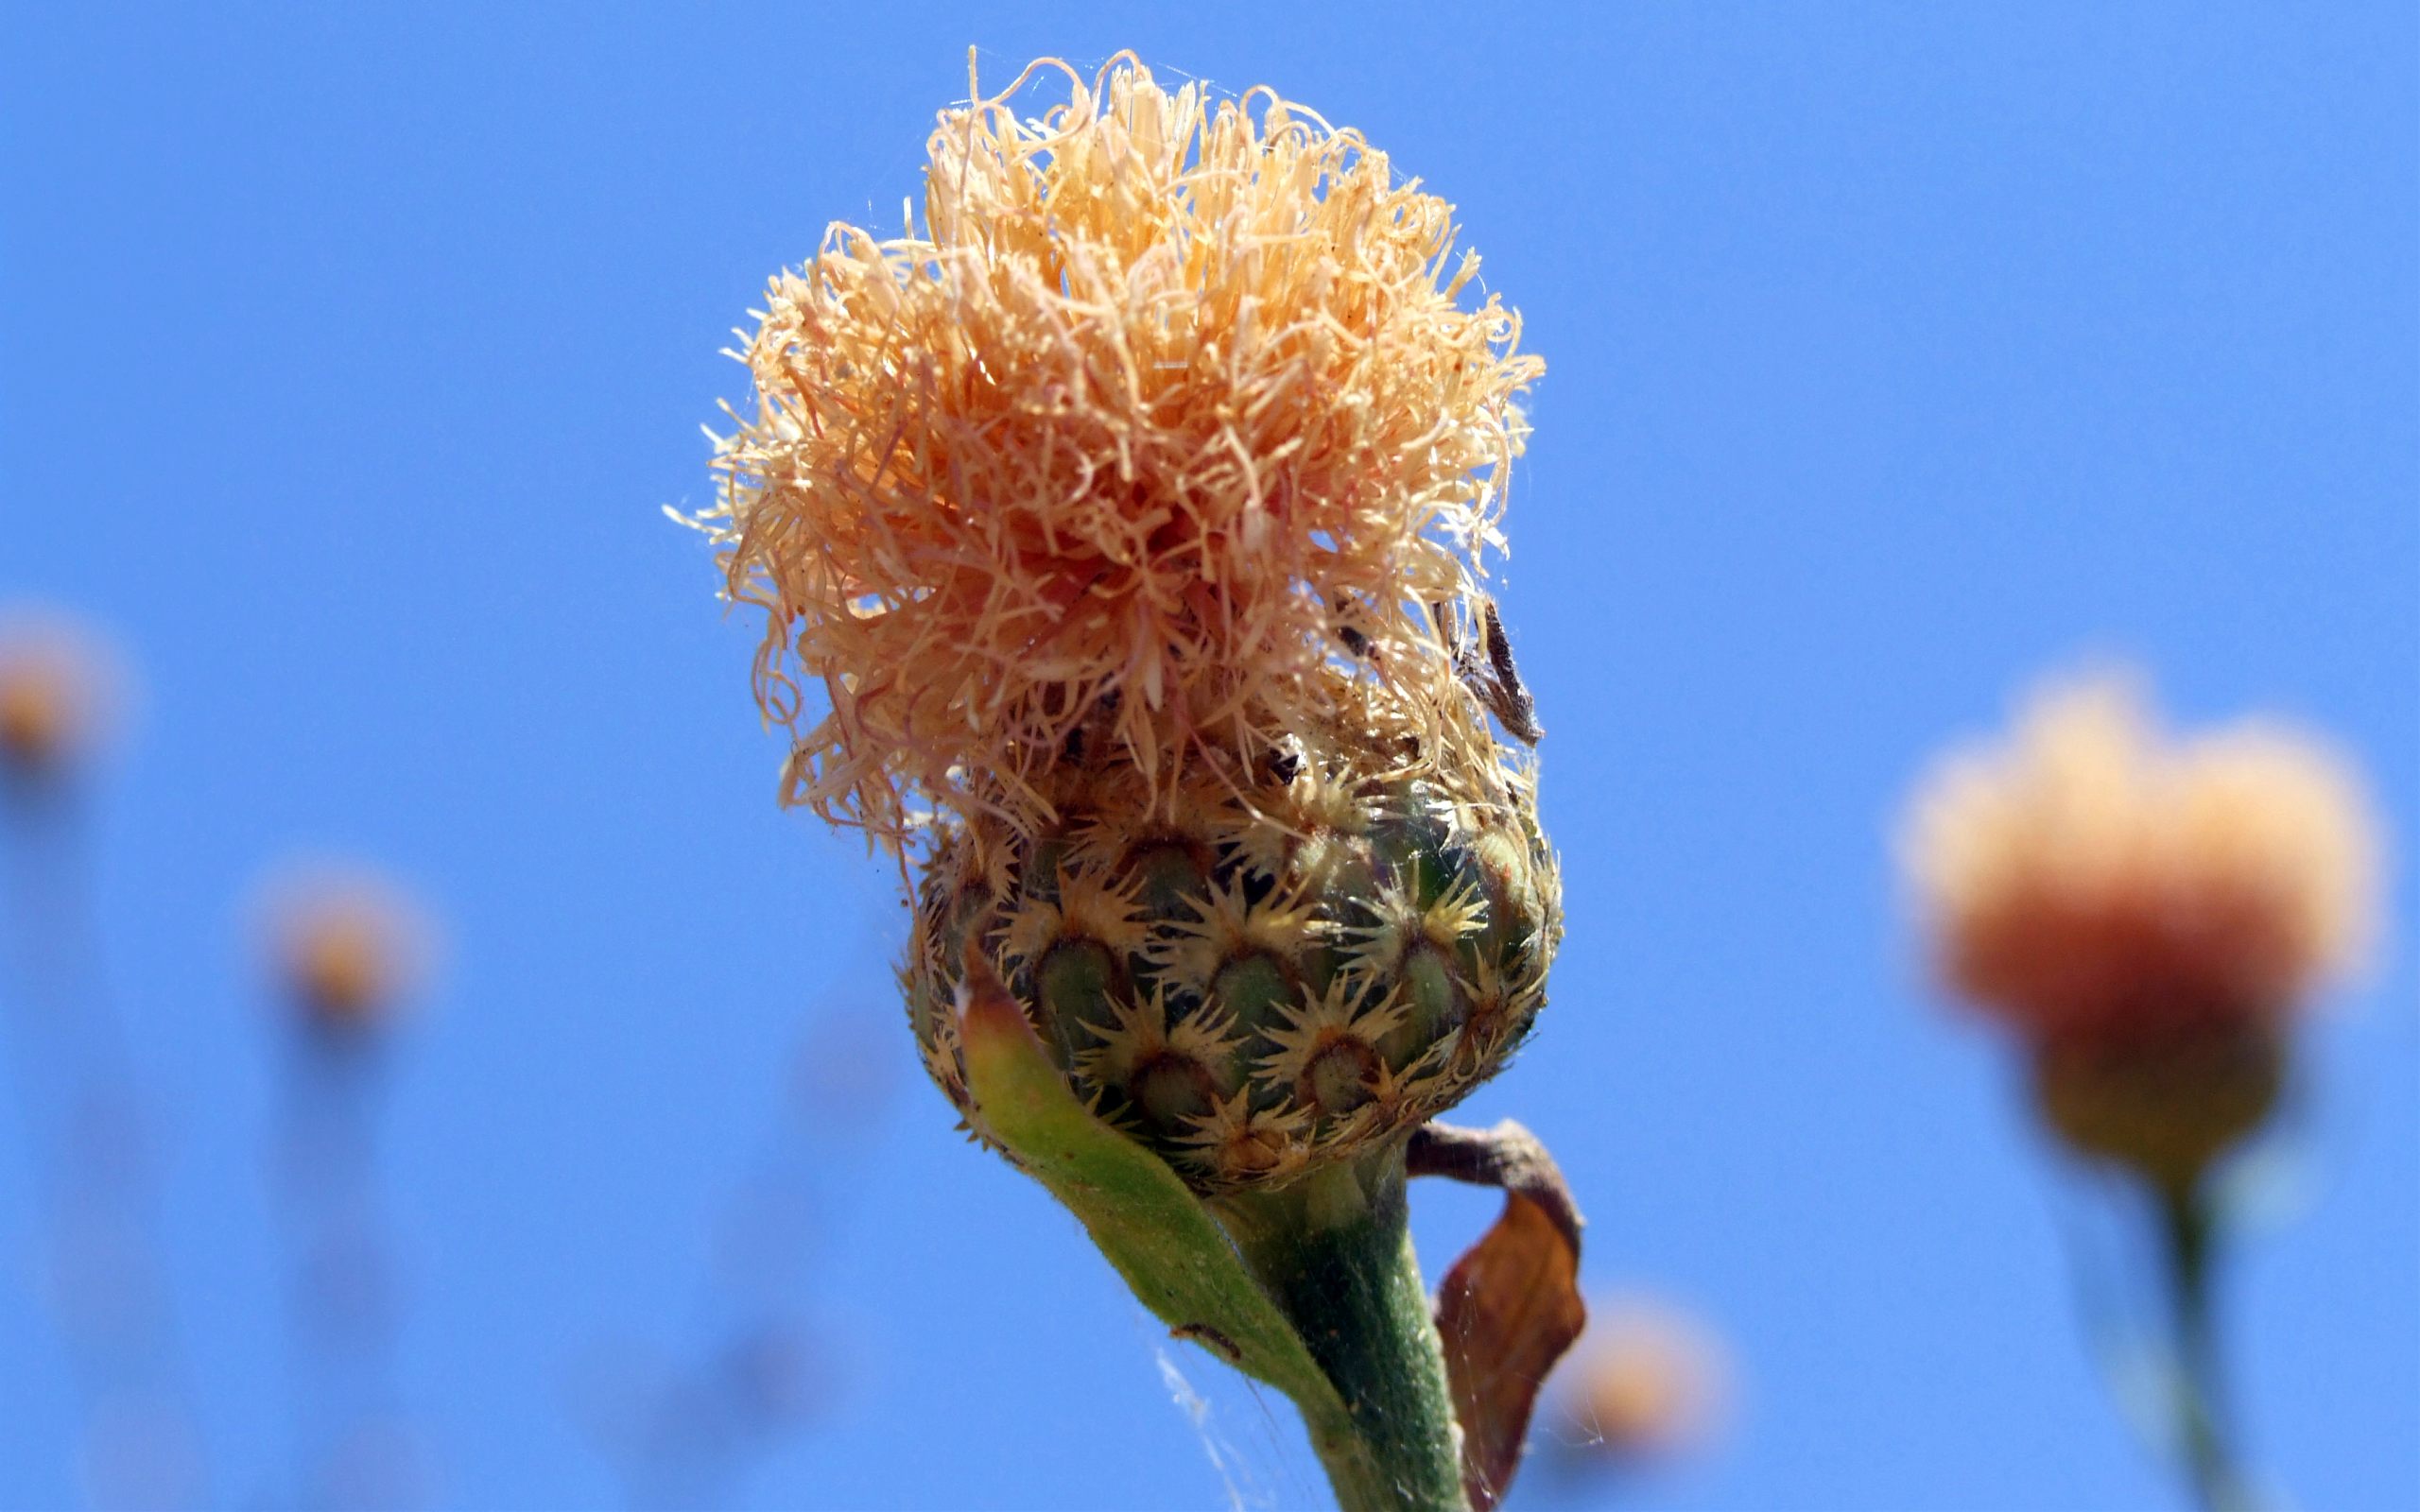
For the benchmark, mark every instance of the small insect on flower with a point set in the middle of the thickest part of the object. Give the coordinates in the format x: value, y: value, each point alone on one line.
x: 2150, y: 915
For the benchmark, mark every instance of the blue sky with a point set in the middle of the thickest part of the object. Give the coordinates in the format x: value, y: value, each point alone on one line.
x: 1897, y: 354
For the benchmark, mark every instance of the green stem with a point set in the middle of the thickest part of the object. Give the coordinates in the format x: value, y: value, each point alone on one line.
x: 1333, y: 1251
x: 2217, y: 1485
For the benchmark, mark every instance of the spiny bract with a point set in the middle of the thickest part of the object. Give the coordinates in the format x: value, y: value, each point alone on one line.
x: 1270, y: 971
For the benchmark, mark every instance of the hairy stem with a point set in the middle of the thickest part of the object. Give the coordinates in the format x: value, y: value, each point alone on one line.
x: 1333, y: 1251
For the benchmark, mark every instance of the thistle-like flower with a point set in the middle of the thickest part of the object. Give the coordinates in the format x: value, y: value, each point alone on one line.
x: 2148, y: 917
x: 1129, y: 519
x: 1126, y: 520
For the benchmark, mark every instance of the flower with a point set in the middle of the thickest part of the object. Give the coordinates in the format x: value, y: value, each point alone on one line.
x: 2096, y: 882
x: 348, y: 945
x: 1172, y: 417
x: 1647, y: 1380
x: 2148, y: 915
x: 59, y: 690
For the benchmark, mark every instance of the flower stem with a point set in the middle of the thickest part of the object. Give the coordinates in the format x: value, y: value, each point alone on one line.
x: 1333, y: 1251
x: 2187, y: 1234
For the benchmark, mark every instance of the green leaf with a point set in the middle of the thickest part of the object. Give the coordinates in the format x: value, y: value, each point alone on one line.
x: 1138, y: 1211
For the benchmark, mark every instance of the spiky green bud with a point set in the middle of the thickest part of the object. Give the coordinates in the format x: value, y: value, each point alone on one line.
x: 1256, y: 976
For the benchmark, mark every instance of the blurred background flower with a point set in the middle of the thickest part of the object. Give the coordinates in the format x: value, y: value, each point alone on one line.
x: 60, y: 693
x: 2150, y: 918
x: 347, y: 946
x: 1649, y: 1382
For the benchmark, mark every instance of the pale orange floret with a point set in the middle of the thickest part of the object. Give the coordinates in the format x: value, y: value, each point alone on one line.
x: 1174, y: 407
x: 2095, y: 884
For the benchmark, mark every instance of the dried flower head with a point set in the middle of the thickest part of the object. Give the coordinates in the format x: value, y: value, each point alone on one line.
x: 1174, y: 409
x: 349, y: 945
x: 2098, y: 886
x: 58, y: 691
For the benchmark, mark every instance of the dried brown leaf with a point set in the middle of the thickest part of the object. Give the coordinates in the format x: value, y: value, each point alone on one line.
x: 1510, y: 1306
